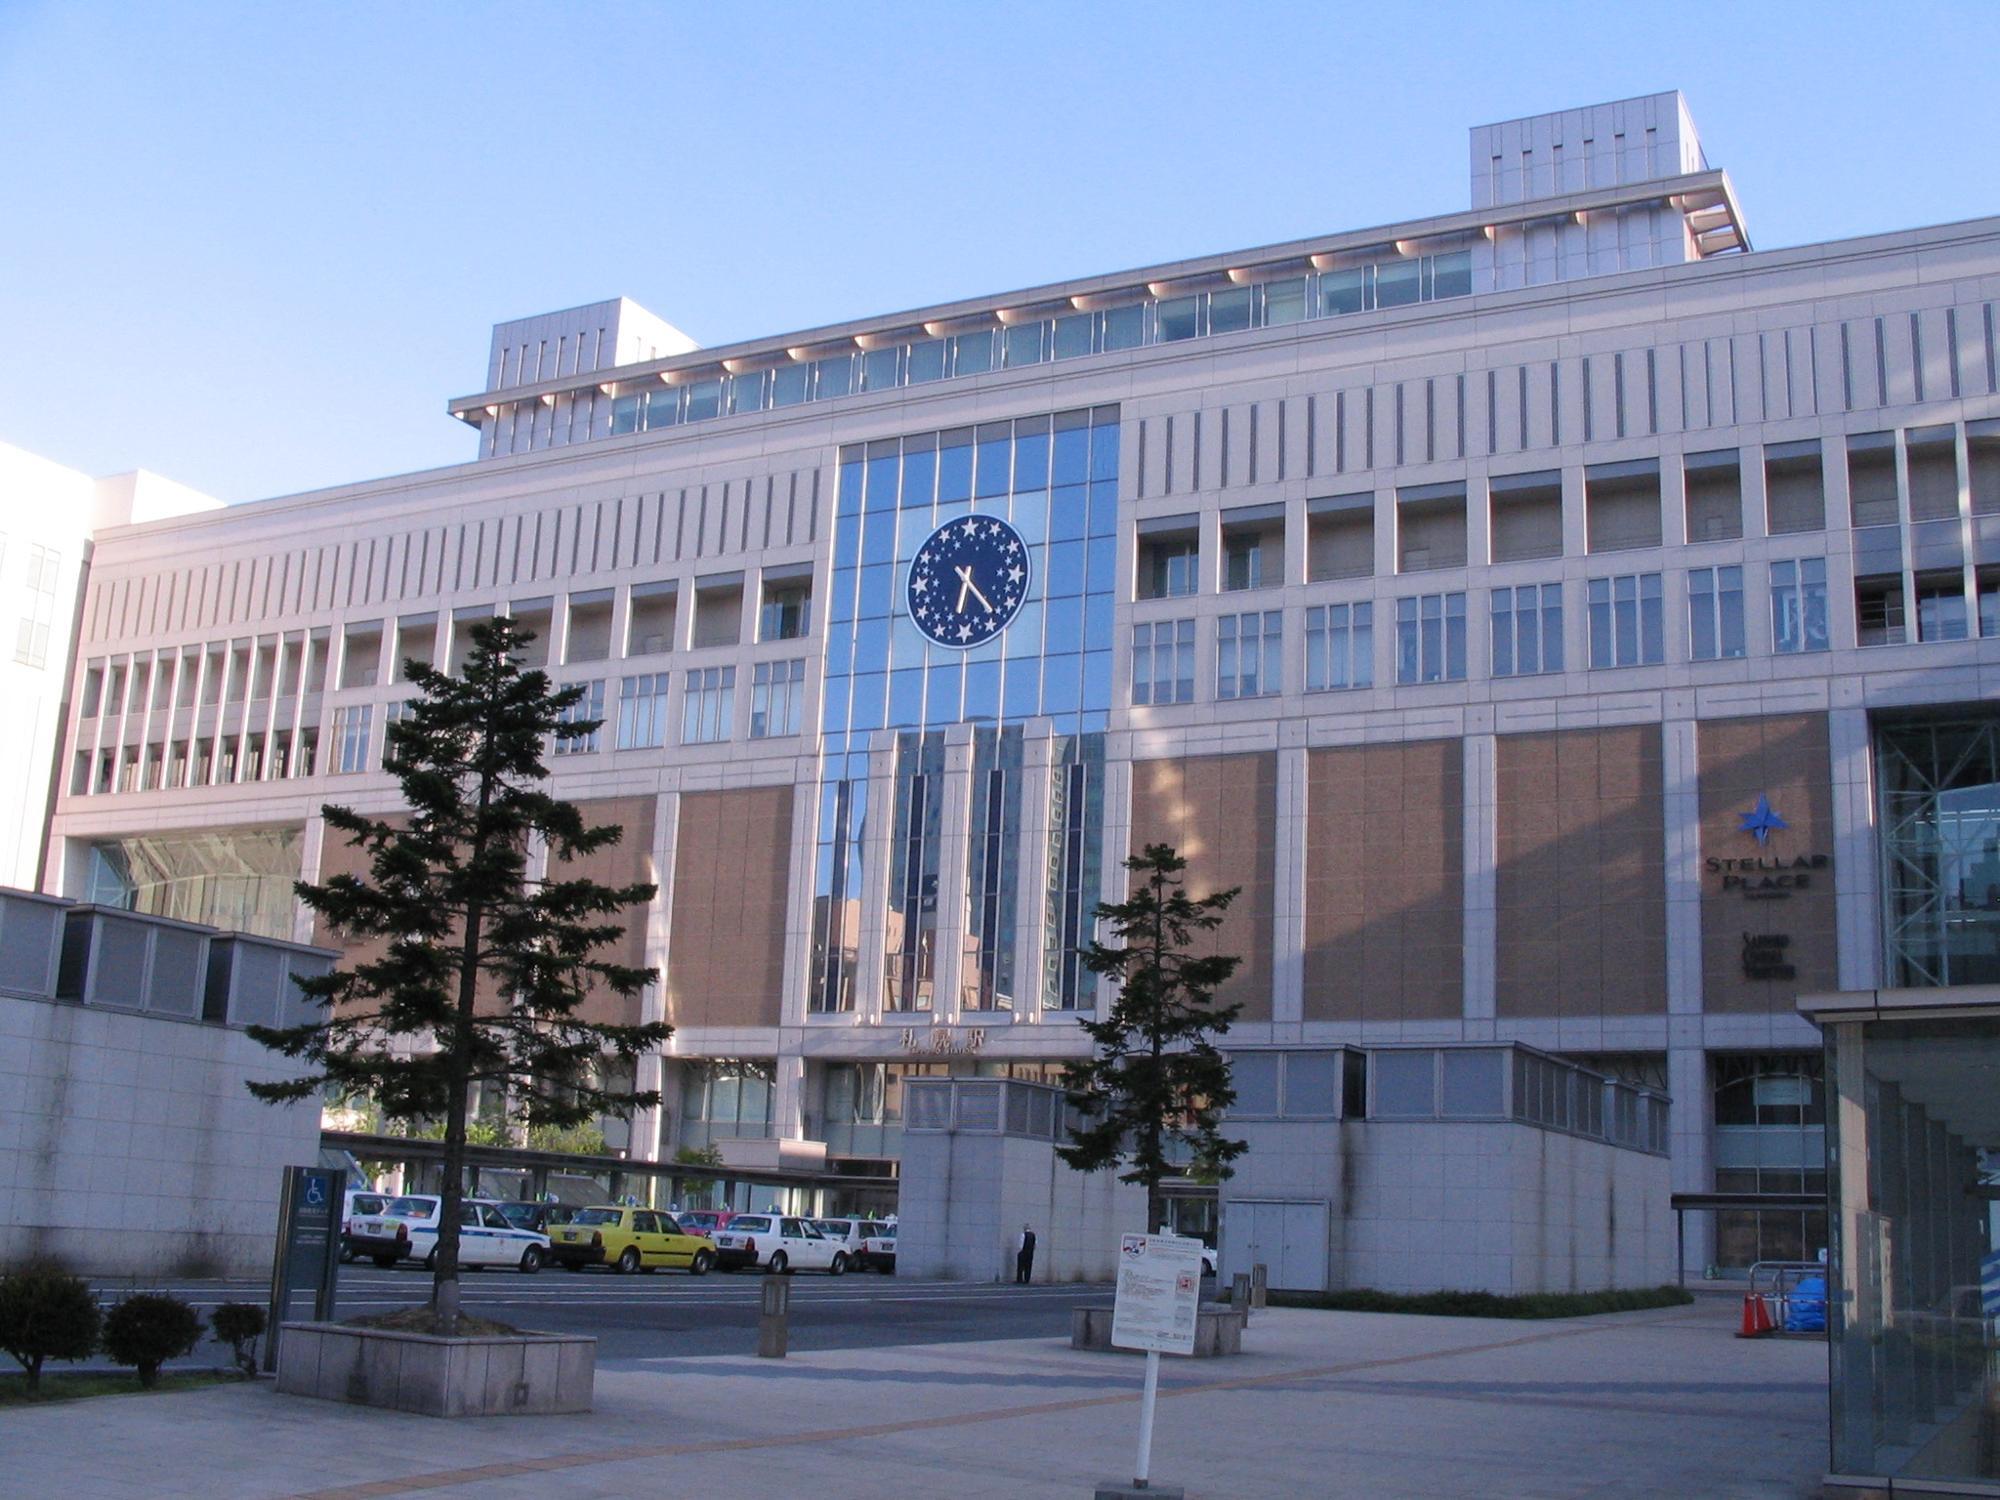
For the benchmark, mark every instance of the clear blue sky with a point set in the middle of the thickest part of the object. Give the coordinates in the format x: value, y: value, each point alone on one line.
x: 256, y: 247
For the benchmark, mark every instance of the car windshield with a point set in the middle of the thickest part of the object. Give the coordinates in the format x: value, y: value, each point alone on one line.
x: 763, y: 1225
x: 705, y: 1220
x: 885, y: 1231
x: 414, y: 1208
x: 595, y: 1216
x: 835, y: 1227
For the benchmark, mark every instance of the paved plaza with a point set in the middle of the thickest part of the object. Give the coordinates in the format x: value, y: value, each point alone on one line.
x: 1662, y: 1403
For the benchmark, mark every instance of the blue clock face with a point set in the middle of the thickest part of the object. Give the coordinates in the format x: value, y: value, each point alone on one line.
x: 967, y: 580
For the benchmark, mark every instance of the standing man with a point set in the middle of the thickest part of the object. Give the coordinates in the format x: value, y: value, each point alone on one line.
x: 1024, y: 1257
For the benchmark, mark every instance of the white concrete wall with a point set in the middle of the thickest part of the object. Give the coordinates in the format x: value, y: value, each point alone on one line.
x: 1420, y: 1206
x: 130, y: 1146
x: 965, y: 1198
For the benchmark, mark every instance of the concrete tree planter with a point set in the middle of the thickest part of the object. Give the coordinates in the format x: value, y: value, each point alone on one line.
x: 485, y: 1375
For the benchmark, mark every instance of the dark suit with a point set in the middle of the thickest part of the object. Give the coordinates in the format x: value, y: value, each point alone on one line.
x: 1024, y: 1259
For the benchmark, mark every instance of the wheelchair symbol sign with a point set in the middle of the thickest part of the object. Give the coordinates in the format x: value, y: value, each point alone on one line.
x: 315, y: 1192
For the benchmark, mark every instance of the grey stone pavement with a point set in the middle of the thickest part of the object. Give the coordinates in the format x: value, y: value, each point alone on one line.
x: 1664, y: 1403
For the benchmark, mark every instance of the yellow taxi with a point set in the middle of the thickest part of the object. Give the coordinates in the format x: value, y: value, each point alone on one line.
x: 628, y: 1240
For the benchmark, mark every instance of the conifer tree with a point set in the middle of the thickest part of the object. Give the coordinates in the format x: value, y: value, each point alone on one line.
x: 1156, y: 1077
x: 475, y: 972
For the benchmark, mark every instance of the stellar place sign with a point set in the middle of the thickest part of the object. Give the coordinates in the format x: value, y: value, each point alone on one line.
x: 1765, y: 876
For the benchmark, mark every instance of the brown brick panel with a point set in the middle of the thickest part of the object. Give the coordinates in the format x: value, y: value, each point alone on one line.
x: 1786, y: 759
x: 726, y: 954
x: 1220, y: 812
x: 1581, y: 887
x: 1385, y: 860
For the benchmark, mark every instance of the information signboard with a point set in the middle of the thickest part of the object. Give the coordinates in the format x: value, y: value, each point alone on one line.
x: 308, y: 1253
x: 1159, y: 1290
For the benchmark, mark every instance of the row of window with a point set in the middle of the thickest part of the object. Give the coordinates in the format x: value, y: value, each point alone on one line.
x: 1389, y: 283
x: 640, y: 719
x: 1626, y: 627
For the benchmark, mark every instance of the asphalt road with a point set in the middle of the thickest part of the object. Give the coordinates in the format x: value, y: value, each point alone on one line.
x: 668, y: 1315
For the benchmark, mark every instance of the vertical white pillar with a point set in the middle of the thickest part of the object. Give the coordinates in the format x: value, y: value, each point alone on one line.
x: 1690, y: 1144
x: 1480, y: 857
x: 1031, y: 889
x: 954, y: 825
x: 650, y: 1072
x: 1288, y: 905
x: 1856, y: 881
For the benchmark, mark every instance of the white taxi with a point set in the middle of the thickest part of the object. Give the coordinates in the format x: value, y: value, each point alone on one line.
x: 779, y: 1243
x: 408, y: 1230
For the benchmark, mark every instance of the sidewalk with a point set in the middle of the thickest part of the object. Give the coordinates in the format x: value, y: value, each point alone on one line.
x: 1321, y: 1404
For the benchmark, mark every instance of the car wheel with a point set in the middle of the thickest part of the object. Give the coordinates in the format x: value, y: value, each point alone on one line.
x: 431, y: 1260
x: 629, y: 1261
x: 701, y: 1264
x: 839, y: 1266
x: 778, y: 1265
x: 531, y: 1259
x: 346, y: 1255
x: 384, y: 1261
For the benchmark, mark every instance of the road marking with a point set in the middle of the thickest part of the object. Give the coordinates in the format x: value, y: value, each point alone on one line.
x: 440, y: 1479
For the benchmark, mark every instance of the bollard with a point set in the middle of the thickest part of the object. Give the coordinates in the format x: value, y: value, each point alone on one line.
x: 1239, y: 1293
x: 772, y: 1314
x: 1259, y: 1285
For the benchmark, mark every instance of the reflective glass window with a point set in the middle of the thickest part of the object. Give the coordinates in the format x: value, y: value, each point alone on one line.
x: 1798, y: 605
x: 926, y: 361
x: 789, y: 384
x: 1284, y: 301
x: 1024, y: 343
x: 880, y: 368
x: 1343, y: 291
x: 973, y: 353
x: 1178, y: 318
x: 1123, y: 327
x: 833, y: 376
x: 704, y: 400
x: 1229, y: 312
x: 1074, y: 335
x: 1396, y: 283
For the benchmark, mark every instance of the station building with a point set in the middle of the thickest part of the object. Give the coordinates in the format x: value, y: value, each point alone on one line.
x: 1572, y: 628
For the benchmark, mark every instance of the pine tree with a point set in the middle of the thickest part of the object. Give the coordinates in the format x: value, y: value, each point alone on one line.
x: 1155, y: 1078
x: 477, y: 971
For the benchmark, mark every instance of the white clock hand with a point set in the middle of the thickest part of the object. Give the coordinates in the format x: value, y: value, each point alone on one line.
x: 966, y: 584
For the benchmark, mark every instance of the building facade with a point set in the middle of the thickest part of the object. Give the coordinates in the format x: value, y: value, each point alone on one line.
x: 1565, y: 625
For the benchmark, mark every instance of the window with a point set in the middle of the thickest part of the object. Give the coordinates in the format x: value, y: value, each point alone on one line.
x: 1988, y: 584
x: 1249, y: 655
x: 1798, y: 605
x: 1253, y: 553
x: 352, y: 724
x: 642, y: 711
x: 1714, y: 495
x: 1340, y: 647
x: 1941, y: 611
x: 1430, y: 527
x: 1794, y: 490
x: 1430, y: 638
x: 1622, y: 505
x: 1163, y: 662
x: 588, y: 637
x: 1871, y: 478
x: 1626, y: 626
x: 708, y: 705
x: 649, y: 619
x: 31, y: 644
x: 776, y: 689
x: 1340, y: 537
x: 1527, y: 630
x: 1878, y: 610
x: 360, y: 653
x: 586, y: 709
x: 1526, y: 511
x: 1168, y: 565
x: 786, y: 612
x: 1715, y: 613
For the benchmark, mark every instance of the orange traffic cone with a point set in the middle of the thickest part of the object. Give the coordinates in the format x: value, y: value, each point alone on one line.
x: 1756, y: 1318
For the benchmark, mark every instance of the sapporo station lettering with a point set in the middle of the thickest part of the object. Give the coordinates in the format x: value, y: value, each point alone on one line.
x: 1765, y: 876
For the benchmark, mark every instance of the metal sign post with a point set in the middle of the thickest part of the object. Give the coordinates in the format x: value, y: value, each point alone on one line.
x: 1159, y: 1294
x: 308, y: 1250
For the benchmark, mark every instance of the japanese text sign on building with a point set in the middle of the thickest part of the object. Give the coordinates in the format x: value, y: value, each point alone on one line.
x: 1159, y: 1289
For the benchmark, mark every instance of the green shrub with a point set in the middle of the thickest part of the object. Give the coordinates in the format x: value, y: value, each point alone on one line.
x: 239, y: 1325
x: 147, y: 1329
x: 1489, y: 1304
x: 46, y: 1313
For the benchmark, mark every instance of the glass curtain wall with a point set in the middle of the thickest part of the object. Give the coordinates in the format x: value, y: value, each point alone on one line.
x: 1770, y: 1137
x: 992, y: 871
x: 1940, y: 817
x: 238, y: 879
x: 1055, y: 479
x: 1915, y: 1162
x: 1075, y: 869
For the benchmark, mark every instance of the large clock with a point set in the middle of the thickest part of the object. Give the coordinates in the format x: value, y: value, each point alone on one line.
x: 967, y: 580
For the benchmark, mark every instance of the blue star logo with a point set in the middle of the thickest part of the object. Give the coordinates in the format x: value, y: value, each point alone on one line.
x: 1762, y: 820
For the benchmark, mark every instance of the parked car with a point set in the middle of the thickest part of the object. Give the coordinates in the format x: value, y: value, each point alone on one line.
x: 704, y: 1221
x: 878, y: 1249
x: 847, y: 1234
x: 778, y: 1243
x: 540, y: 1217
x: 407, y: 1229
x: 358, y: 1201
x: 628, y: 1240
